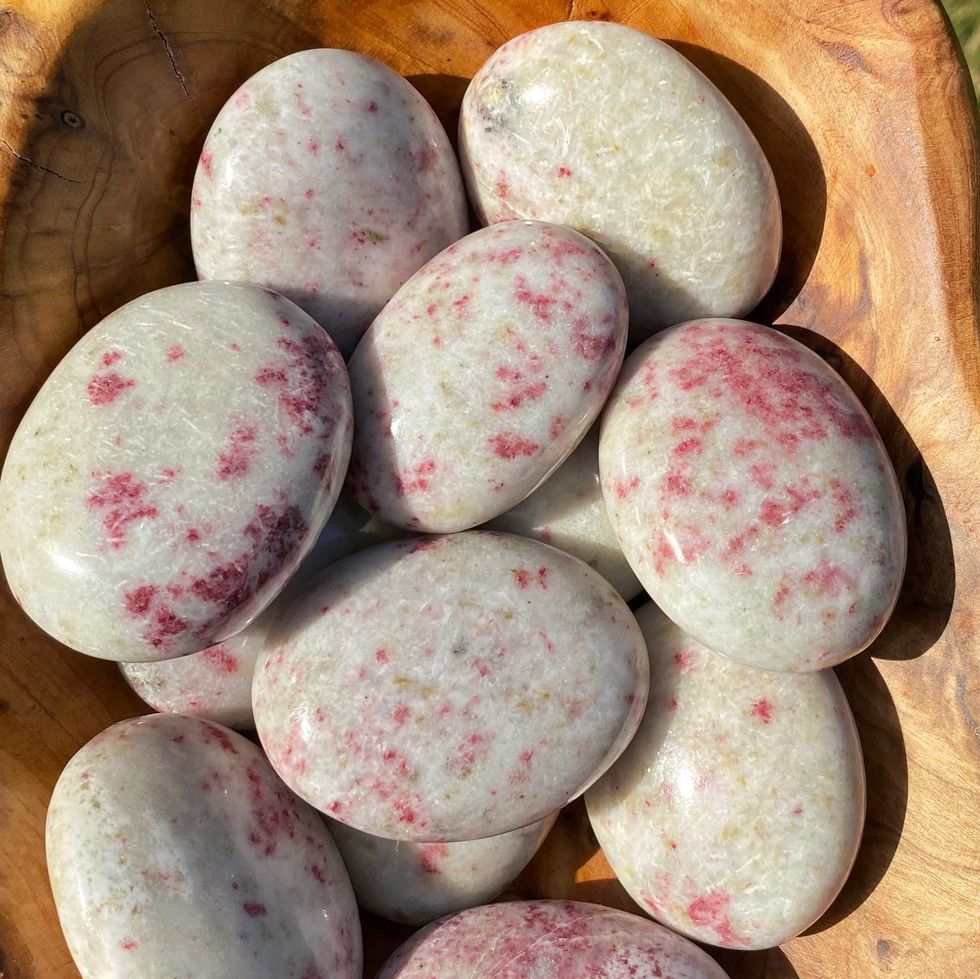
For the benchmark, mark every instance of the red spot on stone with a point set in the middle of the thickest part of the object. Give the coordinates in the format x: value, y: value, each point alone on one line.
x: 461, y: 303
x: 406, y: 814
x: 828, y: 578
x: 301, y: 380
x: 193, y: 535
x: 372, y: 106
x: 381, y: 656
x: 129, y: 944
x: 313, y: 146
x: 218, y: 735
x: 121, y: 500
x: 729, y: 496
x: 103, y: 389
x: 623, y: 487
x: 710, y: 911
x: 545, y: 638
x: 531, y: 392
x: 506, y: 445
x: 539, y: 303
x: 522, y: 577
x: 684, y: 660
x: 401, y: 713
x: 310, y: 193
x: 501, y: 187
x: 175, y: 353
x: 237, y: 458
x: 673, y: 704
x: 110, y: 357
x: 207, y: 161
x: 556, y: 427
x: 220, y: 660
x: 762, y: 709
x: 415, y: 479
x: 564, y: 172
x: 846, y: 509
x: 138, y: 600
x: 798, y: 810
x: 253, y: 909
x: 689, y: 447
x: 782, y: 593
x: 593, y: 342
x: 430, y: 855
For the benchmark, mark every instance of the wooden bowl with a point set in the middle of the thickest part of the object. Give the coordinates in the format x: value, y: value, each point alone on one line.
x: 867, y: 117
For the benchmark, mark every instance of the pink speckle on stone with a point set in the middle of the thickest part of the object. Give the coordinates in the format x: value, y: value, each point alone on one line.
x: 711, y: 911
x: 237, y: 458
x: 564, y: 172
x: 104, y: 389
x: 175, y: 352
x: 121, y: 500
x: 129, y: 944
x: 254, y: 909
x: 508, y: 445
x: 762, y: 709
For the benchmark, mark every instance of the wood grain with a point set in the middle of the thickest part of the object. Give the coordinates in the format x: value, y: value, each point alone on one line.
x: 866, y: 114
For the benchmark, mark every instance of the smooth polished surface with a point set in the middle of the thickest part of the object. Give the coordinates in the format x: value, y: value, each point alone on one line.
x: 450, y: 688
x: 735, y: 813
x: 869, y: 123
x: 752, y: 495
x: 328, y: 178
x: 174, y: 470
x: 216, y: 683
x: 482, y: 374
x: 415, y: 883
x: 611, y: 132
x: 548, y: 940
x: 568, y: 512
x: 174, y: 850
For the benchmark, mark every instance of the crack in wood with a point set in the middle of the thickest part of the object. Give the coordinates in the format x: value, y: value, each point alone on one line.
x: 168, y: 48
x: 38, y: 166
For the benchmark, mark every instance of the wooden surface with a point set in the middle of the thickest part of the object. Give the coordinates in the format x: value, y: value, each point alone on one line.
x: 867, y: 118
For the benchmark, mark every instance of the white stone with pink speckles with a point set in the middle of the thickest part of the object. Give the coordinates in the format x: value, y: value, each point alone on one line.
x: 752, y: 495
x: 327, y: 177
x: 568, y: 512
x: 216, y: 683
x: 735, y: 815
x: 415, y: 883
x: 548, y: 940
x: 612, y: 132
x: 450, y: 688
x: 174, y: 470
x: 521, y: 330
x: 174, y: 850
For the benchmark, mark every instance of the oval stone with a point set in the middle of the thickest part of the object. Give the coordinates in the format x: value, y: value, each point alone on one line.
x: 451, y: 688
x: 327, y: 177
x: 415, y: 883
x: 216, y: 683
x: 568, y: 512
x: 174, y: 850
x: 609, y: 131
x: 521, y: 329
x: 174, y: 470
x: 547, y: 940
x: 752, y: 495
x: 734, y: 816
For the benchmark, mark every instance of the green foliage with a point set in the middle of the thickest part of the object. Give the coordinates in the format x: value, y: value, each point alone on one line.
x: 965, y: 15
